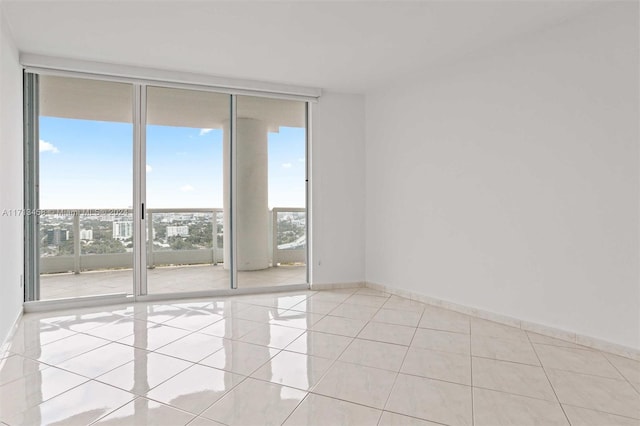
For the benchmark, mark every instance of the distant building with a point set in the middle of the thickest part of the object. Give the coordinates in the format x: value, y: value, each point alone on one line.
x: 56, y: 236
x: 178, y: 231
x: 86, y: 234
x: 122, y: 230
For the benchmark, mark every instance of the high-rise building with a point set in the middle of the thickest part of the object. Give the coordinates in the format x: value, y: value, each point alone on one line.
x: 56, y: 236
x: 178, y: 231
x: 86, y: 234
x: 122, y: 230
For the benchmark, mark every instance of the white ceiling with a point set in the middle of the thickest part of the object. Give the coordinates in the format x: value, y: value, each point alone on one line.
x: 343, y: 46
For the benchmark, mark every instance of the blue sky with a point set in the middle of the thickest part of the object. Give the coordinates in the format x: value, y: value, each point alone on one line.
x: 88, y: 164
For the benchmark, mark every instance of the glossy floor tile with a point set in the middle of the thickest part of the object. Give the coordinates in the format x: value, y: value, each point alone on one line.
x: 598, y: 393
x: 320, y: 344
x: 434, y: 400
x: 338, y: 357
x: 33, y: 389
x: 294, y: 319
x: 64, y: 349
x: 356, y: 383
x: 339, y: 325
x: 511, y: 377
x: 194, y: 320
x: 375, y: 354
x: 445, y: 366
x: 255, y: 402
x: 275, y: 336
x: 31, y: 334
x: 143, y: 411
x: 230, y: 327
x: 319, y: 410
x: 316, y: 305
x: 388, y: 333
x: 407, y: 305
x: 503, y: 349
x: 193, y: 347
x: 576, y: 360
x: 585, y: 417
x: 629, y: 368
x: 240, y: 357
x: 293, y: 369
x: 360, y: 299
x: 491, y: 408
x: 195, y: 388
x: 482, y: 327
x: 81, y: 405
x: 398, y: 317
x: 444, y: 341
x: 394, y: 419
x: 117, y: 330
x: 15, y: 366
x: 144, y: 372
x: 154, y: 336
x: 444, y: 320
x: 354, y: 311
x: 102, y: 360
x: 546, y: 340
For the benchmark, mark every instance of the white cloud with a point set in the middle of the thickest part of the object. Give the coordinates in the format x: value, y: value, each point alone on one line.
x: 48, y: 147
x: 186, y: 188
x: 149, y: 168
x: 204, y: 131
x: 301, y: 160
x: 287, y: 165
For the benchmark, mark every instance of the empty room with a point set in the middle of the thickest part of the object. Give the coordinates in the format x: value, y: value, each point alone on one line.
x: 376, y: 213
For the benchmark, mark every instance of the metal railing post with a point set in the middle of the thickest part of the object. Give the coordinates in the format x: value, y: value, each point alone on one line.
x: 274, y: 236
x: 76, y: 243
x: 214, y: 237
x: 150, y: 239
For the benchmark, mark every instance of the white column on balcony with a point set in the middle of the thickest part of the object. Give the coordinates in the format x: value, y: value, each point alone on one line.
x: 252, y: 218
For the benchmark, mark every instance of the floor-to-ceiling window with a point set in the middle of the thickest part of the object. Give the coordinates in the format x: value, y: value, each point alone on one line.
x: 85, y: 157
x: 184, y: 173
x: 155, y: 189
x: 271, y: 191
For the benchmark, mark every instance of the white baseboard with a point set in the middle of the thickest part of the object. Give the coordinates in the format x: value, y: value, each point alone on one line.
x: 9, y: 337
x: 568, y: 336
x: 337, y: 286
x: 77, y: 302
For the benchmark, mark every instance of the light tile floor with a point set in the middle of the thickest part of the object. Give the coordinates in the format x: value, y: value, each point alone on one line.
x: 344, y: 357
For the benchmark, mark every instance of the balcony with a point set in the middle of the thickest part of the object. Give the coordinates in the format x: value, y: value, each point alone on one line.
x: 86, y: 253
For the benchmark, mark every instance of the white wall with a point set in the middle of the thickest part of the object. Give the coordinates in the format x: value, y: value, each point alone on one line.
x: 509, y: 182
x: 338, y: 189
x: 10, y: 181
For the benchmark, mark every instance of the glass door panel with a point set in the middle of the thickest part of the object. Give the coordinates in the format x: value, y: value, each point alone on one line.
x: 85, y: 187
x: 270, y: 192
x: 185, y: 181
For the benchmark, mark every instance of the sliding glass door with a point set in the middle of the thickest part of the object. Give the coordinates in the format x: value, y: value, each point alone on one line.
x: 185, y: 166
x: 150, y: 189
x: 85, y: 157
x: 270, y: 192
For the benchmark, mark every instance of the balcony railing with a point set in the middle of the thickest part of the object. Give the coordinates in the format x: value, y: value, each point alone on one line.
x: 75, y: 240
